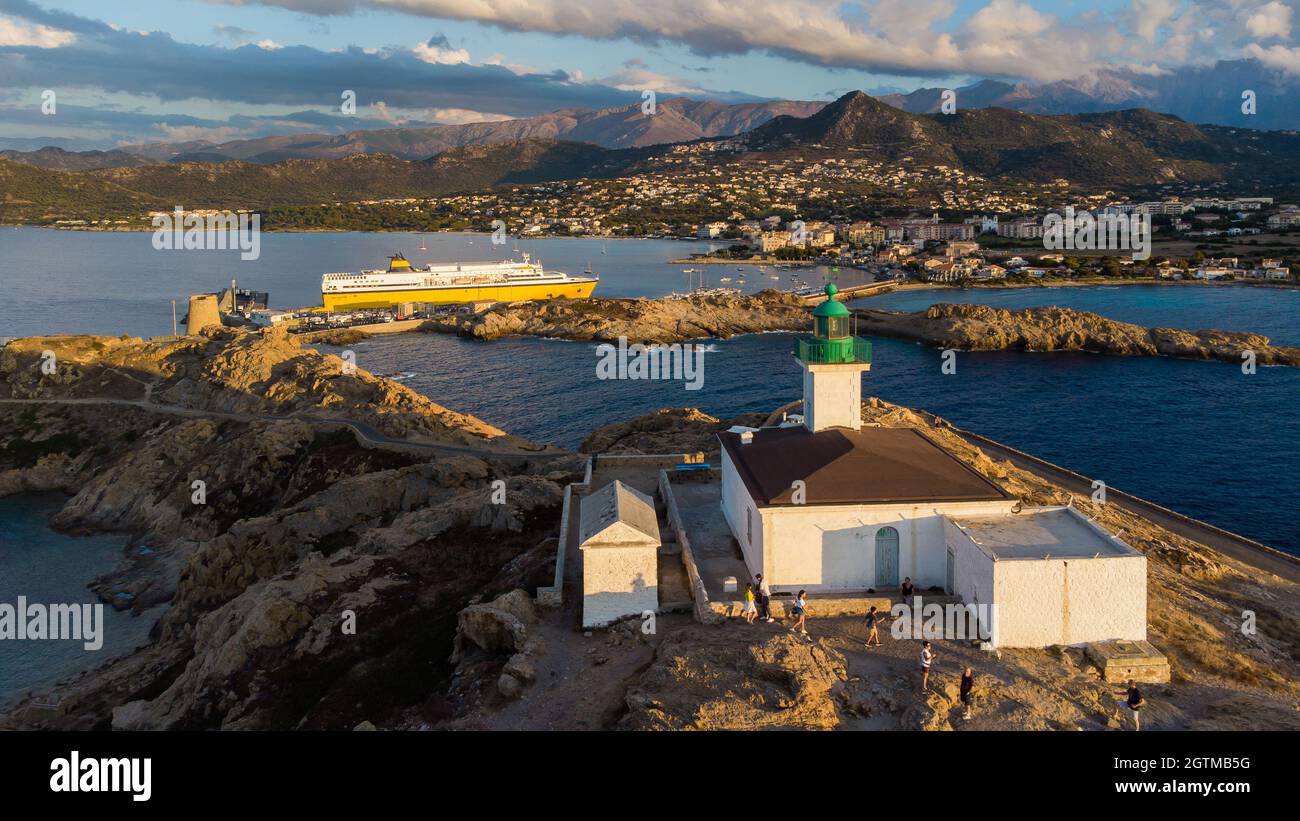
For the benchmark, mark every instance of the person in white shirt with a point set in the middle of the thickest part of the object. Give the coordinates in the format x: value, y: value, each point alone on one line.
x: 927, y: 658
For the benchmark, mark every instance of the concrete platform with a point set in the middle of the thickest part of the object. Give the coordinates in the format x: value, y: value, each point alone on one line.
x: 1120, y: 661
x: 1040, y: 533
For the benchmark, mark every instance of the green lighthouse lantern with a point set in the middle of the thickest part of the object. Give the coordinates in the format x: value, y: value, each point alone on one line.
x: 832, y: 343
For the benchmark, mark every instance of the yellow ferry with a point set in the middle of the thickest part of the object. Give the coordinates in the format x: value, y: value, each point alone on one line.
x: 455, y: 282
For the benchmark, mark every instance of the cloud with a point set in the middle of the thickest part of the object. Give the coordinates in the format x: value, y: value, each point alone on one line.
x: 1270, y: 20
x: 1002, y: 38
x: 155, y: 67
x: 235, y: 33
x: 460, y: 116
x: 17, y: 33
x: 438, y: 50
x: 381, y: 110
x: 189, y: 133
x: 635, y: 78
x: 1276, y: 56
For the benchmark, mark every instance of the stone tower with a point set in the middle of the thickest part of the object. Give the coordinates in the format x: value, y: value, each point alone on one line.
x: 203, y: 312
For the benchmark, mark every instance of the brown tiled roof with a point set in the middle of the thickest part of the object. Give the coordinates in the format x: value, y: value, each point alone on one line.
x: 841, y: 466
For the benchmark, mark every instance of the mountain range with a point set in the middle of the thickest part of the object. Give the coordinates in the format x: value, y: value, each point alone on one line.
x: 1209, y: 95
x: 1123, y: 150
x: 675, y: 120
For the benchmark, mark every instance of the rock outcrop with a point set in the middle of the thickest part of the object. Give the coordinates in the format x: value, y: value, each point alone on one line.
x: 704, y: 679
x: 666, y: 320
x: 236, y: 372
x: 669, y: 430
x: 981, y: 328
x: 313, y: 582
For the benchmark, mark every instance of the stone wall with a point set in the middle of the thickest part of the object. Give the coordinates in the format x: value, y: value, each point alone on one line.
x: 553, y: 596
x: 1042, y: 602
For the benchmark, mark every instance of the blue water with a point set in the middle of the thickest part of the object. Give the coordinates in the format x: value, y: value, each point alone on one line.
x: 51, y: 568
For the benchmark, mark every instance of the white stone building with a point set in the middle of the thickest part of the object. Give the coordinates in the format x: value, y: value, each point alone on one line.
x: 1054, y: 577
x: 619, y: 539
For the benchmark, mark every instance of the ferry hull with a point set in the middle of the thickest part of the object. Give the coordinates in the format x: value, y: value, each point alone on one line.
x: 578, y: 289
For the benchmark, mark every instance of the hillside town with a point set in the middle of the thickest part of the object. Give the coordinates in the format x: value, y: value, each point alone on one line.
x: 900, y: 220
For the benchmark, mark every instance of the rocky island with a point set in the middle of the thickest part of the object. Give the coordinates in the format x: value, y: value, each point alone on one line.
x: 664, y: 320
x: 981, y: 328
x: 333, y: 495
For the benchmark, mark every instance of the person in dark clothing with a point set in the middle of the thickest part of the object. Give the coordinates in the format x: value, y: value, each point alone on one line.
x: 967, y: 685
x: 764, y: 598
x: 873, y: 619
x: 908, y: 590
x: 1134, y: 700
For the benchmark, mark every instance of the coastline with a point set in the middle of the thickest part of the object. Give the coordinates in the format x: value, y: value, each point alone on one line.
x: 1086, y: 283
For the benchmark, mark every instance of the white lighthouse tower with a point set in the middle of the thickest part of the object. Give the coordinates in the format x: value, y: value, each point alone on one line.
x: 833, y: 362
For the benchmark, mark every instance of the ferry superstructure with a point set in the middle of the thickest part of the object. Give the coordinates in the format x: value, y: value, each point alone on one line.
x: 456, y: 282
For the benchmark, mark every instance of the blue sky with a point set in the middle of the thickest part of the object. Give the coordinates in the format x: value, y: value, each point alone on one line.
x: 149, y: 70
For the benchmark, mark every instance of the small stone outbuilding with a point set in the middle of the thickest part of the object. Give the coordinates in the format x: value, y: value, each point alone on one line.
x: 619, y: 539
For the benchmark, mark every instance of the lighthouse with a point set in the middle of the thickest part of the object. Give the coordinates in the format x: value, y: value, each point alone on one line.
x: 833, y: 361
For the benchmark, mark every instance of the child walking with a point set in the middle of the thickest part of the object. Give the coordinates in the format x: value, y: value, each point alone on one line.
x: 800, y: 614
x: 751, y: 611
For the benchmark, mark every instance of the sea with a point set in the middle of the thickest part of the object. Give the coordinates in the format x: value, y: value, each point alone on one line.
x: 1202, y: 438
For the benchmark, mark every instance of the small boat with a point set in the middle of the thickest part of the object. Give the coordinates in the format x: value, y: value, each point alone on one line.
x: 588, y: 271
x: 423, y: 247
x: 602, y: 248
x: 725, y: 279
x: 773, y: 276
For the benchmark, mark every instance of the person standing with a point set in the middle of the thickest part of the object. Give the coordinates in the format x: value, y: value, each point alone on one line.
x: 764, y: 599
x: 967, y: 685
x: 750, y: 611
x: 927, y: 658
x: 800, y: 614
x: 1135, y: 701
x: 873, y: 619
x: 908, y: 590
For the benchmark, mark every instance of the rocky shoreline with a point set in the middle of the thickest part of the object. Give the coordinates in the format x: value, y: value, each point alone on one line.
x: 970, y: 327
x: 665, y: 320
